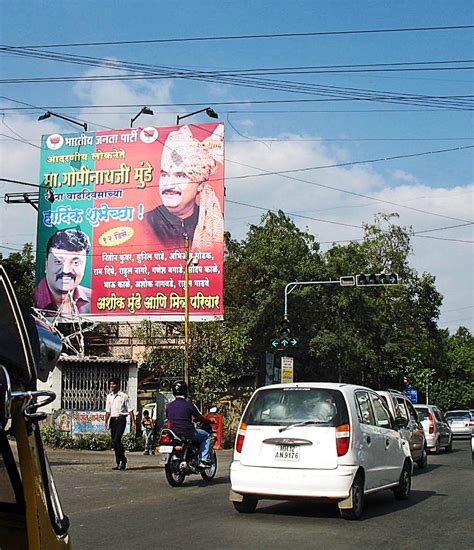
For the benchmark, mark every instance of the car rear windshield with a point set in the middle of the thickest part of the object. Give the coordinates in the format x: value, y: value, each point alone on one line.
x: 458, y: 414
x: 285, y: 406
x: 423, y: 413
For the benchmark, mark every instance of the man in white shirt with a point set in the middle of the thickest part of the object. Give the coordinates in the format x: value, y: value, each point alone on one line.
x: 117, y: 408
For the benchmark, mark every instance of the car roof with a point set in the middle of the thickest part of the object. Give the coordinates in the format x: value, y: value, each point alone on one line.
x: 324, y: 385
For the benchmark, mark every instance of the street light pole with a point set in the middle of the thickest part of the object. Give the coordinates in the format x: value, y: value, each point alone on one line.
x: 186, y: 308
x: 208, y: 110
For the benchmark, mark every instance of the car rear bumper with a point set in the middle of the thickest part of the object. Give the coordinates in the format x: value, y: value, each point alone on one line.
x: 431, y: 440
x: 287, y: 482
x: 461, y: 432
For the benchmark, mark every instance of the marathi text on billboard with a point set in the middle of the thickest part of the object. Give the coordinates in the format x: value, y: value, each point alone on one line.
x: 112, y: 242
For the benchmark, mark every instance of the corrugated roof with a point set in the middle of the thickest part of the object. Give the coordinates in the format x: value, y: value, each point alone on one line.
x: 95, y: 359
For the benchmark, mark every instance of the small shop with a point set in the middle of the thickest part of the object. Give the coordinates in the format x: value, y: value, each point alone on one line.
x: 81, y: 385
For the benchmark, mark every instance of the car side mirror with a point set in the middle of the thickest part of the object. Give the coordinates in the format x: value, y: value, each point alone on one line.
x: 5, y: 397
x: 401, y: 422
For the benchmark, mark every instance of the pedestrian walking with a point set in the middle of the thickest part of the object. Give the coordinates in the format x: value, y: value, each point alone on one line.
x: 149, y: 427
x: 117, y: 408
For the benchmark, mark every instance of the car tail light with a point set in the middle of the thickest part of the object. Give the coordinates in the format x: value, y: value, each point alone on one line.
x: 430, y: 418
x: 166, y: 438
x: 343, y: 436
x: 240, y: 437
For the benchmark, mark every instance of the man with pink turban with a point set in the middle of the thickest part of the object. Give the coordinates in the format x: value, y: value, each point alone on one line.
x: 186, y: 166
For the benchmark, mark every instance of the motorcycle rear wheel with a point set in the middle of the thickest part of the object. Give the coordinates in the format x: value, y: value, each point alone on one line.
x: 210, y: 473
x: 174, y: 476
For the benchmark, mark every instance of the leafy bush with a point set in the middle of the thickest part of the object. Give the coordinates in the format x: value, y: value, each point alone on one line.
x: 56, y: 438
x: 93, y: 442
x: 133, y: 442
x: 62, y: 440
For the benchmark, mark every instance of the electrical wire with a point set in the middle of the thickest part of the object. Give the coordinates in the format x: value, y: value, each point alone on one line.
x: 334, y: 93
x: 215, y: 103
x: 304, y: 70
x: 252, y: 36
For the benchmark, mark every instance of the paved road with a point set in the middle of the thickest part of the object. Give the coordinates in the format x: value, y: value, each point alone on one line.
x: 138, y: 509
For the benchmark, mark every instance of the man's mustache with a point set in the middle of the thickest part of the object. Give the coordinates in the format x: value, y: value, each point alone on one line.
x: 62, y: 274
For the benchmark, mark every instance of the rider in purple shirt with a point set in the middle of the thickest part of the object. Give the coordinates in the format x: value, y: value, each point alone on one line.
x: 181, y: 413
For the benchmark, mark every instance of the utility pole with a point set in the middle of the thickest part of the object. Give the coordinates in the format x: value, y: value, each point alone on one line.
x: 186, y: 308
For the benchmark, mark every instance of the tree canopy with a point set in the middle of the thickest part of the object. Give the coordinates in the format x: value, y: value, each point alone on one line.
x: 20, y: 267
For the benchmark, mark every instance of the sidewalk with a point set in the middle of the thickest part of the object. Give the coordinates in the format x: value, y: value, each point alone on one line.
x: 63, y: 457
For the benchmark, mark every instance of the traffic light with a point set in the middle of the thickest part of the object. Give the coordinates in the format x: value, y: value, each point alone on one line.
x: 377, y: 279
x: 285, y: 328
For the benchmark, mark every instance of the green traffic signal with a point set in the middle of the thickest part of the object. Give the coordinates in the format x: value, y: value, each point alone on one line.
x: 377, y: 279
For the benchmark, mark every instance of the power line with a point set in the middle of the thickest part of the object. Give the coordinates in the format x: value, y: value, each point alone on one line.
x: 338, y: 69
x: 251, y: 36
x: 334, y: 93
x: 201, y: 103
x: 444, y: 228
x: 342, y: 164
x: 284, y: 174
x: 415, y: 234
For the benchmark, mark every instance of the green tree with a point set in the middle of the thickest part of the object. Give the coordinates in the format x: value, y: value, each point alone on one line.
x: 453, y: 387
x: 370, y: 335
x: 257, y: 269
x: 20, y: 267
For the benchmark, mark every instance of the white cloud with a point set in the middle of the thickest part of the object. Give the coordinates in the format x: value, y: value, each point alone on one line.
x: 140, y: 92
x: 401, y: 175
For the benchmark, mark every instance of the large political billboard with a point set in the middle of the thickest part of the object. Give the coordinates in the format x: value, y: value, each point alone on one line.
x: 116, y: 210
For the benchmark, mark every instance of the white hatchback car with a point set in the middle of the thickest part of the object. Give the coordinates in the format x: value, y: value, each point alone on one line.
x: 318, y: 440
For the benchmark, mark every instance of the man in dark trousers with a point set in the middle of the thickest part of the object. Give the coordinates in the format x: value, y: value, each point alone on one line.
x: 180, y: 414
x: 117, y: 408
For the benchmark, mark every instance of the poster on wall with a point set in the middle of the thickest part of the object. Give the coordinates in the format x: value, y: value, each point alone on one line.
x: 82, y: 422
x: 116, y: 210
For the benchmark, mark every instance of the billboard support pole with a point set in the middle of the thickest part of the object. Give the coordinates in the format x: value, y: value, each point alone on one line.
x: 186, y: 308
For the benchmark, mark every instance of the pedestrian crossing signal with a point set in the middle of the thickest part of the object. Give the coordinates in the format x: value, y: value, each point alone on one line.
x: 377, y: 279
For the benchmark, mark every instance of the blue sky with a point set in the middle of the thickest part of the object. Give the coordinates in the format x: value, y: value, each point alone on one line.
x: 272, y: 136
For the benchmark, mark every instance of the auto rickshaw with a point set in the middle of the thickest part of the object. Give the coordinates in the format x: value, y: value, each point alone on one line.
x: 31, y: 516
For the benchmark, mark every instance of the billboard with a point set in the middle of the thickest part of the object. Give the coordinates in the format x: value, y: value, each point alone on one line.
x: 115, y: 212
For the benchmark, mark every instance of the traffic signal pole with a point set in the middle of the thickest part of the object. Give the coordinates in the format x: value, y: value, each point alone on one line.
x: 291, y: 286
x: 360, y: 280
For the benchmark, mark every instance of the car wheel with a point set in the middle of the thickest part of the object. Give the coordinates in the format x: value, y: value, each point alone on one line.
x: 423, y: 461
x: 357, y: 494
x: 402, y: 491
x: 437, y: 447
x: 449, y: 446
x: 247, y: 506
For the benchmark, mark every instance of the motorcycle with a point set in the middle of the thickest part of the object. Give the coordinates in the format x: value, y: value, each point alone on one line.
x: 183, y: 457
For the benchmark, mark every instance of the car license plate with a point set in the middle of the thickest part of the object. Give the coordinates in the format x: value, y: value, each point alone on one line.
x: 165, y: 449
x: 287, y: 452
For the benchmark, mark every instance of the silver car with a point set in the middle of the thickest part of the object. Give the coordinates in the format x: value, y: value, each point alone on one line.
x: 437, y: 431
x: 401, y: 407
x: 460, y: 422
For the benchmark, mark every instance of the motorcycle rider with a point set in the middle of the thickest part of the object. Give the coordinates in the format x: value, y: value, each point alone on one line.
x: 180, y: 414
